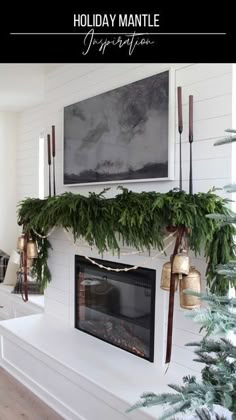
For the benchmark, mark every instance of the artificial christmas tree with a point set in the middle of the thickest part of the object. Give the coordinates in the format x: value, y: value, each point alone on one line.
x: 215, y: 396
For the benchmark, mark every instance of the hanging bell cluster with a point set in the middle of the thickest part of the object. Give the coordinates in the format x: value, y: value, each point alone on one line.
x: 185, y: 275
x: 193, y: 282
x: 166, y: 277
x: 31, y: 249
x: 181, y: 263
x: 21, y: 243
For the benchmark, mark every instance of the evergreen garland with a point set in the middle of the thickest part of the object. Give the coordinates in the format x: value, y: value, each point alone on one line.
x: 138, y: 220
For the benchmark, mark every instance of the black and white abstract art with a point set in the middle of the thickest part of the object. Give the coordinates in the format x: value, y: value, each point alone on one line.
x: 120, y: 135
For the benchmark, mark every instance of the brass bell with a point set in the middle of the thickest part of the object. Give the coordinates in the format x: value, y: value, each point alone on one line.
x: 20, y: 243
x: 165, y: 277
x: 191, y: 281
x: 181, y: 263
x: 29, y: 262
x: 32, y: 251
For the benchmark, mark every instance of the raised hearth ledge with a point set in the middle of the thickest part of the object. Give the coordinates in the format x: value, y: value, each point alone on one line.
x: 13, y: 306
x: 76, y: 374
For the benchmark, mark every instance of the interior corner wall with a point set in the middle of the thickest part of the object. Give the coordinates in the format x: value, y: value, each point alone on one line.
x: 8, y: 222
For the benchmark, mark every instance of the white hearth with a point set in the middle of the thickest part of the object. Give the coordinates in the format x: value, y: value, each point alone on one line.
x: 81, y: 376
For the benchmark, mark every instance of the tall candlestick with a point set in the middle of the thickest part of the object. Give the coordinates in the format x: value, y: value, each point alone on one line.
x: 180, y: 128
x: 180, y: 115
x: 49, y: 165
x: 49, y: 150
x: 190, y: 116
x: 53, y: 141
x: 53, y: 158
x: 190, y: 143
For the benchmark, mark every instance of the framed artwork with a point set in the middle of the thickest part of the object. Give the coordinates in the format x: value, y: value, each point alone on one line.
x: 123, y: 135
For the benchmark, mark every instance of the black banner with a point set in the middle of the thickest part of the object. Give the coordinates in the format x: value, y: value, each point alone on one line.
x: 74, y: 33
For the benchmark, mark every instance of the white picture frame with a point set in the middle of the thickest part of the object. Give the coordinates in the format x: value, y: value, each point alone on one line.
x: 91, y: 125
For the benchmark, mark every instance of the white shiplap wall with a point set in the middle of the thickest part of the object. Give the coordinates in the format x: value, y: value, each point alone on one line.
x: 211, y: 85
x: 8, y: 225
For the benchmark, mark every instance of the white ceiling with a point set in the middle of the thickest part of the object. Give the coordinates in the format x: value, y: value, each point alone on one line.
x: 22, y: 85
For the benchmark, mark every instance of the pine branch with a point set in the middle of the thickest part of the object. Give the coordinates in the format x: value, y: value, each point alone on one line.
x: 227, y: 270
x: 210, y: 345
x: 230, y: 130
x: 189, y: 379
x: 150, y: 399
x: 231, y: 188
x: 203, y: 414
x: 218, y: 318
x: 222, y: 218
x: 177, y: 388
x: 148, y: 395
x: 181, y: 407
x: 218, y: 387
x: 211, y: 298
x: 229, y: 139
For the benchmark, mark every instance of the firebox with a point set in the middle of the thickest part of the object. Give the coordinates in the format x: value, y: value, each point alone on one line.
x: 116, y: 307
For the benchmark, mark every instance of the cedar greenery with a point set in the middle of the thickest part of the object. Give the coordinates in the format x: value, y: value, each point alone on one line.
x: 138, y: 220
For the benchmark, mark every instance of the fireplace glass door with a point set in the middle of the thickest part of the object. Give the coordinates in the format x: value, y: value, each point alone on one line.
x: 116, y: 307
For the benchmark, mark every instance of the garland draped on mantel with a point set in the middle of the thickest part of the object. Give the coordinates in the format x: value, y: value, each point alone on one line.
x: 138, y: 220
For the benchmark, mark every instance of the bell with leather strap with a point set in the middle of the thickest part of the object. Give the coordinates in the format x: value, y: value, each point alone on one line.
x: 181, y: 263
x: 32, y: 251
x: 29, y: 262
x: 166, y: 277
x: 193, y: 282
x: 20, y: 243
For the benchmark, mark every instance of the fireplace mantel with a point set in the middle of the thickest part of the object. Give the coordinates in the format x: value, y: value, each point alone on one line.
x: 139, y: 219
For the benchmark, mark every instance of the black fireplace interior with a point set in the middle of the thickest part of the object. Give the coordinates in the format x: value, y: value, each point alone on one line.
x: 116, y: 307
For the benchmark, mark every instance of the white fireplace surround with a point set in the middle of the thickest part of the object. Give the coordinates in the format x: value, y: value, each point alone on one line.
x: 78, y: 375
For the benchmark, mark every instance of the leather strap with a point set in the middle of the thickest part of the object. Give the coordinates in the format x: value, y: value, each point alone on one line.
x: 179, y: 237
x: 24, y: 287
